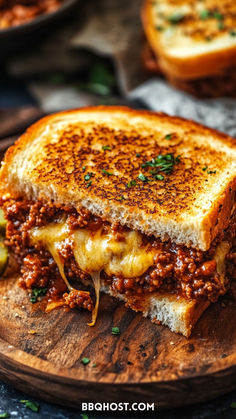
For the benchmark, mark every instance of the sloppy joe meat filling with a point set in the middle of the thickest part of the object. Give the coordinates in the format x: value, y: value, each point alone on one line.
x: 177, y: 269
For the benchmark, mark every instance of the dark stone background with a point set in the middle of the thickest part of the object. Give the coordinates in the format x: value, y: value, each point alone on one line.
x: 10, y: 402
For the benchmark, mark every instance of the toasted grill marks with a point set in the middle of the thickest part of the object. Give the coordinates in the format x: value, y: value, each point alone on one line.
x: 79, y: 152
x: 193, y: 41
x: 199, y: 20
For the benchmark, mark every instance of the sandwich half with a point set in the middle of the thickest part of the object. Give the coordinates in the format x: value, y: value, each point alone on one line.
x: 138, y: 204
x: 193, y: 43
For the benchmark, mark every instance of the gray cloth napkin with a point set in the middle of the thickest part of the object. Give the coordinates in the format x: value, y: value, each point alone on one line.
x: 215, y: 113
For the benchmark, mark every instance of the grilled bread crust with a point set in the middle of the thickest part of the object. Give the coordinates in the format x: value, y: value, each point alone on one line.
x: 88, y: 157
x: 210, y: 86
x: 179, y: 314
x: 191, y: 39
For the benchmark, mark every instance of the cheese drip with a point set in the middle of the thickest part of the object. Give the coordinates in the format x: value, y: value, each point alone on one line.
x: 97, y: 284
x: 220, y: 255
x: 96, y: 251
x: 52, y: 238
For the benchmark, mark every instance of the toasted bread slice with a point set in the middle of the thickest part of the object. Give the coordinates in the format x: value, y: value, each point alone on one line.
x: 179, y: 314
x: 191, y: 39
x: 99, y: 158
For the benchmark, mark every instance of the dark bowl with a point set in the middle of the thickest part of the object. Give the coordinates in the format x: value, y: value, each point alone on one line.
x: 14, y: 38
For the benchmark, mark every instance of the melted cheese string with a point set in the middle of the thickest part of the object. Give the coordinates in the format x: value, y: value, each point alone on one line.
x: 97, y: 284
x: 56, y: 256
x: 220, y: 255
x: 52, y: 239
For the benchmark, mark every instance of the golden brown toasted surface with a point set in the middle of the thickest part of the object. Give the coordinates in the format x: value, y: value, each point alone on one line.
x: 200, y: 20
x: 191, y: 39
x: 112, y: 159
x: 107, y: 160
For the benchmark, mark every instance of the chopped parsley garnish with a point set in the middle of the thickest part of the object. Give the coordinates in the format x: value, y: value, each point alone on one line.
x: 100, y: 80
x: 156, y: 175
x: 164, y: 162
x: 208, y: 38
x: 106, y: 147
x: 88, y: 176
x: 121, y: 198
x: 142, y: 177
x: 131, y: 183
x: 85, y: 361
x: 204, y: 14
x: 232, y: 32
x: 138, y: 155
x: 176, y: 18
x: 31, y: 405
x: 83, y: 169
x: 168, y: 136
x: 94, y: 365
x: 105, y: 172
x: 36, y: 293
x: 221, y: 25
x: 4, y: 415
x: 115, y: 331
x: 159, y: 28
x: 218, y: 16
x: 88, y: 184
x: 210, y: 172
x: 159, y: 177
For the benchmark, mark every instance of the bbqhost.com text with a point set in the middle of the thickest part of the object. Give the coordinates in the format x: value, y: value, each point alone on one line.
x: 118, y: 407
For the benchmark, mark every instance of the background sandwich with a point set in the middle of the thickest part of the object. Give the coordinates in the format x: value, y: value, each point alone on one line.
x: 138, y: 204
x: 193, y: 44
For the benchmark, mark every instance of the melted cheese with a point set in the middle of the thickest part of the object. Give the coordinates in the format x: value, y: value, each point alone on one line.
x: 94, y: 252
x: 97, y: 251
x: 51, y: 238
x: 97, y: 284
x: 220, y: 255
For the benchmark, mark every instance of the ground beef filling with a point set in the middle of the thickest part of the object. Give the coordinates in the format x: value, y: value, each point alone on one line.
x: 177, y: 269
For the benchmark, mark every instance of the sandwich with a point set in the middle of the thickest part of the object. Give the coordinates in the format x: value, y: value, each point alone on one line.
x: 193, y: 44
x: 136, y: 204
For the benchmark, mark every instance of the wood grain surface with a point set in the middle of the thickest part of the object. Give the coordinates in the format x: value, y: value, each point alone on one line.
x: 41, y: 353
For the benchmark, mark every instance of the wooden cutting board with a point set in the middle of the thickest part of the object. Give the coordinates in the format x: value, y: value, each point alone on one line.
x: 146, y: 362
